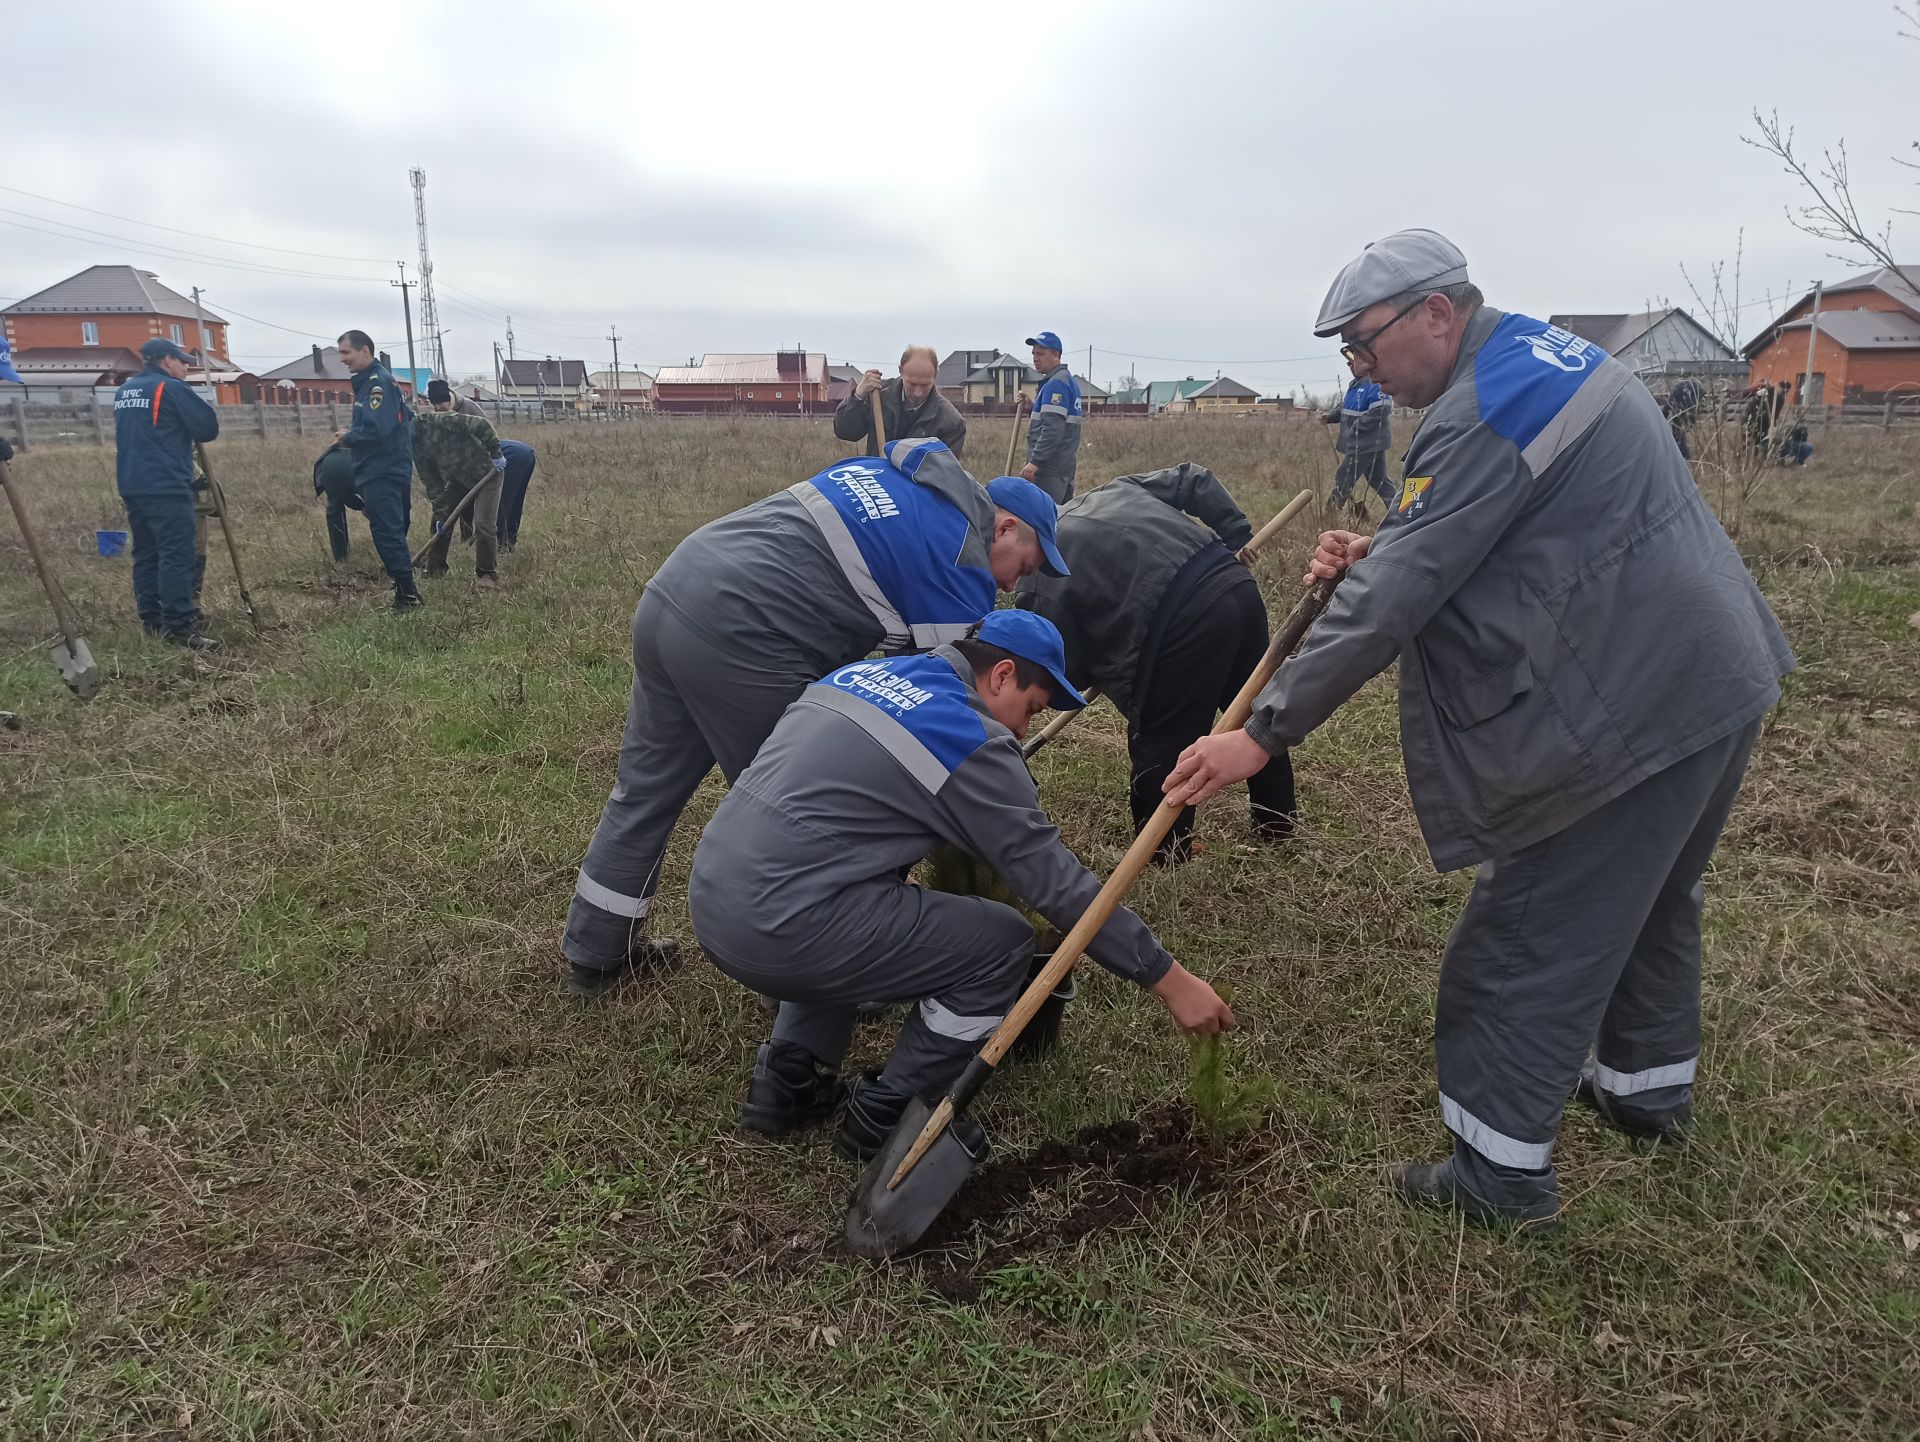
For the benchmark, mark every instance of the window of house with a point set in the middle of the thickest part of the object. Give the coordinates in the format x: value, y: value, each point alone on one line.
x: 779, y: 395
x: 179, y: 336
x: 89, y: 332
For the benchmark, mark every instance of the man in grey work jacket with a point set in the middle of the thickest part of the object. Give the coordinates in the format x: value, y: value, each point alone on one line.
x: 910, y: 406
x: 798, y: 891
x: 1164, y: 617
x: 1053, y: 432
x: 899, y: 554
x: 1365, y: 421
x: 1584, y: 666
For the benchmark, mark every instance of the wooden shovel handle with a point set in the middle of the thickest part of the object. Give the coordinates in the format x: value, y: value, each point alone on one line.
x: 453, y: 518
x: 879, y: 422
x: 1272, y: 528
x: 62, y: 612
x: 1013, y: 440
x: 1298, y: 620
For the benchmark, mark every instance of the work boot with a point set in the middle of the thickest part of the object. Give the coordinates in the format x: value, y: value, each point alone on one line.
x: 406, y: 596
x: 874, y: 1109
x: 1435, y: 1184
x: 190, y: 639
x: 649, y: 953
x: 1671, y: 1126
x: 1273, y: 826
x: 486, y: 581
x: 790, y: 1089
x: 433, y: 572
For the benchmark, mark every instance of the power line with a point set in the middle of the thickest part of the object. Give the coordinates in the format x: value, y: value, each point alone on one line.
x: 168, y: 252
x: 198, y: 235
x: 270, y: 325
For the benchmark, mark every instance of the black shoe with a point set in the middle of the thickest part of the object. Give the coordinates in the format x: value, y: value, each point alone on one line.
x: 591, y: 983
x: 874, y: 1110
x: 190, y: 639
x: 433, y: 572
x: 406, y: 596
x: 790, y: 1090
x: 1274, y: 826
x: 1434, y: 1184
x: 1672, y: 1127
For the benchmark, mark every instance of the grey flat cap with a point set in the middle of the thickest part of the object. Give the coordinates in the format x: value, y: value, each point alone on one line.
x: 1406, y: 260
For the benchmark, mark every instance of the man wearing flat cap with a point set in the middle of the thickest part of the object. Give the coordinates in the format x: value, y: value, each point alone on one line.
x: 1584, y: 665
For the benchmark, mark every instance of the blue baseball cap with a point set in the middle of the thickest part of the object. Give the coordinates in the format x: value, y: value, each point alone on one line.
x: 1035, y: 638
x: 1047, y: 340
x: 160, y: 348
x: 1034, y: 506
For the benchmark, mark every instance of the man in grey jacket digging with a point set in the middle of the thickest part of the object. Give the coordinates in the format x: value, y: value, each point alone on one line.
x: 896, y: 554
x: 798, y: 892
x: 1584, y: 665
x: 1164, y: 617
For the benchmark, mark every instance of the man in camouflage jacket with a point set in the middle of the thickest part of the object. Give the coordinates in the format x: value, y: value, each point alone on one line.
x: 452, y: 452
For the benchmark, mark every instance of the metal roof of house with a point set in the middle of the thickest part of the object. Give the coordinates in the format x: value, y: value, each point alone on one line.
x: 1226, y: 388
x: 1866, y: 329
x: 531, y: 374
x: 323, y: 364
x: 110, y: 290
x: 1903, y: 285
x: 737, y: 368
x: 960, y: 364
x: 1614, y: 333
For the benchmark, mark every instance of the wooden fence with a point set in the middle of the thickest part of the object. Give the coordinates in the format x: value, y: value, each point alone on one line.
x: 28, y: 424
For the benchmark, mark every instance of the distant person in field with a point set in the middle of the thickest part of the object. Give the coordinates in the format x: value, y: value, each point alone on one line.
x: 380, y: 440
x: 1365, y: 420
x: 1053, y: 431
x: 157, y: 418
x: 1584, y: 665
x: 1166, y: 619
x: 454, y: 453
x: 900, y: 554
x: 910, y: 407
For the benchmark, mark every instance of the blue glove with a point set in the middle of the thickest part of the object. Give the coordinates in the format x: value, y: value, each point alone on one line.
x: 499, y: 465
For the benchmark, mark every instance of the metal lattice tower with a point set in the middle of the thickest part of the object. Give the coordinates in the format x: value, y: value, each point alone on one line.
x: 429, y: 310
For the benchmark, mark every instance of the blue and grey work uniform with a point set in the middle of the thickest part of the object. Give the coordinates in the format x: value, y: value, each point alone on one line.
x: 797, y: 887
x: 869, y: 554
x: 1365, y: 419
x: 156, y: 421
x: 380, y: 440
x: 1584, y: 663
x: 1053, y: 433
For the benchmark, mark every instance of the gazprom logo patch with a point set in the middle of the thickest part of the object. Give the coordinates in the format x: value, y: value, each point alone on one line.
x: 1557, y: 347
x: 876, y: 683
x: 861, y: 485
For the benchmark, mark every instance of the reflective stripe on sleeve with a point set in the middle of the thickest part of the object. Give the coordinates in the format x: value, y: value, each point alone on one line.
x: 607, y: 899
x: 1626, y: 1083
x: 1494, y: 1146
x: 943, y: 1022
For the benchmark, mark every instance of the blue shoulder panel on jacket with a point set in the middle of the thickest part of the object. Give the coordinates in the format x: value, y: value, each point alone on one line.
x: 925, y: 695
x: 1527, y: 372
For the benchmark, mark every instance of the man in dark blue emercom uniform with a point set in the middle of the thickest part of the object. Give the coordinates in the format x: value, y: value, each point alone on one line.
x: 157, y: 417
x: 381, y: 443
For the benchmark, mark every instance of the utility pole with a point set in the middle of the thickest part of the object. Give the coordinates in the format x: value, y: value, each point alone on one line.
x: 206, y: 344
x: 406, y: 309
x: 1813, y: 332
x: 613, y: 334
x: 509, y: 337
x: 496, y: 369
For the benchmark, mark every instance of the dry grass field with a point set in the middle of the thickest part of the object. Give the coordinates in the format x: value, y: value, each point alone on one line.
x: 299, y: 1138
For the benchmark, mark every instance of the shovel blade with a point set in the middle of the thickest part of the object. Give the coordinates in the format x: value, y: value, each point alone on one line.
x: 77, y: 668
x: 883, y: 1223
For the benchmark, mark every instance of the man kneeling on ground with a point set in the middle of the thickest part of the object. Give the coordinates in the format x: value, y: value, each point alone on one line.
x: 797, y: 888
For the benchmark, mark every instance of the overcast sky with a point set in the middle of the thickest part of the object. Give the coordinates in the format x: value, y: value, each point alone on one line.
x: 1174, y: 186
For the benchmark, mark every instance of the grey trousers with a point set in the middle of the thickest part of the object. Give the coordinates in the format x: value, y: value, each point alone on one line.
x: 693, y: 705
x: 1586, y: 942
x: 484, y: 514
x: 963, y: 959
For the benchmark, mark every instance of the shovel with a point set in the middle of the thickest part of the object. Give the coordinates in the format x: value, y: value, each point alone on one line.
x: 452, y: 520
x: 254, y: 613
x: 879, y: 424
x: 1013, y: 441
x: 71, y: 656
x: 1247, y: 553
x: 924, y: 1163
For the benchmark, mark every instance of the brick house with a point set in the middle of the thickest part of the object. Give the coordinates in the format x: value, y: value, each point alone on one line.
x: 106, y: 309
x: 1867, y: 347
x: 788, y: 380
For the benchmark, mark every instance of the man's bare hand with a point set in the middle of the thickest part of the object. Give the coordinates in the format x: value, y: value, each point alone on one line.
x: 339, y: 437
x: 1195, y: 1007
x: 868, y: 383
x: 1029, y: 471
x: 1336, y: 551
x: 1213, y: 762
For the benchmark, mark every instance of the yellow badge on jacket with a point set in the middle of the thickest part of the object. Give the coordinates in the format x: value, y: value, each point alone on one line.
x: 1413, y: 492
x: 374, y: 397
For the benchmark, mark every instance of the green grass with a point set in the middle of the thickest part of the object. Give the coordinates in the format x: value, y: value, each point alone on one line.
x: 298, y: 1137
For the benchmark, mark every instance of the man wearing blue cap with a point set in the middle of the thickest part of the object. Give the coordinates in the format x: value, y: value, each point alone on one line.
x: 897, y: 553
x: 1053, y: 432
x: 1365, y: 420
x: 1584, y: 665
x: 797, y: 888
x: 157, y: 418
